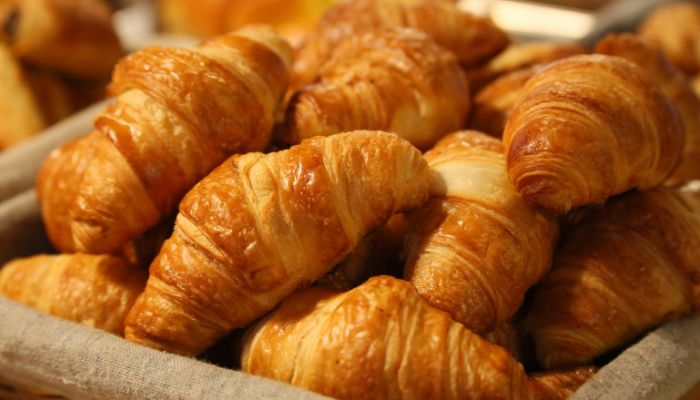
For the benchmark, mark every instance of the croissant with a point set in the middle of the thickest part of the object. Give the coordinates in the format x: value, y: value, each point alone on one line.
x: 71, y: 36
x: 178, y: 114
x: 560, y: 385
x: 378, y: 341
x: 572, y: 141
x: 619, y: 272
x: 97, y: 291
x: 518, y: 56
x: 674, y: 84
x: 20, y: 115
x: 396, y: 80
x: 675, y: 29
x: 260, y: 226
x: 476, y: 246
x: 376, y: 254
x: 472, y: 39
x: 493, y: 104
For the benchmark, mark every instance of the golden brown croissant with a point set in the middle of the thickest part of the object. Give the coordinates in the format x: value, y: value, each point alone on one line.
x: 71, y: 36
x: 396, y: 80
x: 493, y: 104
x: 476, y: 246
x: 620, y: 271
x: 178, y: 114
x: 674, y: 84
x: 20, y: 114
x: 260, y: 226
x: 588, y: 127
x: 376, y: 254
x: 97, y: 291
x: 472, y: 39
x: 521, y: 55
x: 378, y: 341
x: 560, y: 385
x: 675, y: 29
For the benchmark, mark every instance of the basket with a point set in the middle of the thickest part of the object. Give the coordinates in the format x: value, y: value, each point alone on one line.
x: 42, y: 357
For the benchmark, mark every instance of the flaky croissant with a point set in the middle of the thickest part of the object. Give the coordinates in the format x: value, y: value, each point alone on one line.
x: 518, y: 56
x: 476, y: 246
x: 588, y: 127
x: 378, y: 341
x: 674, y: 84
x: 178, y: 114
x: 396, y: 80
x: 493, y: 104
x: 260, y: 226
x: 560, y: 385
x: 71, y: 36
x: 97, y: 291
x: 473, y: 39
x: 620, y: 271
x: 675, y: 29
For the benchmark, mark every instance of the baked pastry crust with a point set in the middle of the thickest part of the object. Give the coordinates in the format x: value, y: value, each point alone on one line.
x: 378, y: 341
x: 261, y: 226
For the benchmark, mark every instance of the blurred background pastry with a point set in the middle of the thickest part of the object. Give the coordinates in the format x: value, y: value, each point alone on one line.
x: 56, y: 57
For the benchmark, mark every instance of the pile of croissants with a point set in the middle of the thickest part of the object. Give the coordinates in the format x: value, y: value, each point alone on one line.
x: 551, y: 220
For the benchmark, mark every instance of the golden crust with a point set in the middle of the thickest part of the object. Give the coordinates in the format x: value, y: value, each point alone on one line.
x: 396, y: 80
x: 260, y: 226
x: 472, y: 39
x: 589, y: 127
x: 74, y: 37
x: 675, y: 30
x: 674, y: 84
x: 619, y: 272
x: 378, y: 341
x: 178, y: 114
x: 476, y: 246
x: 97, y: 291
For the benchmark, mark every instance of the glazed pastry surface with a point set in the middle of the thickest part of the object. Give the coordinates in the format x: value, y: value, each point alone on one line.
x: 378, y: 341
x: 396, y: 80
x: 261, y: 226
x: 619, y: 272
x: 588, y: 127
x: 178, y: 114
x: 476, y: 246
